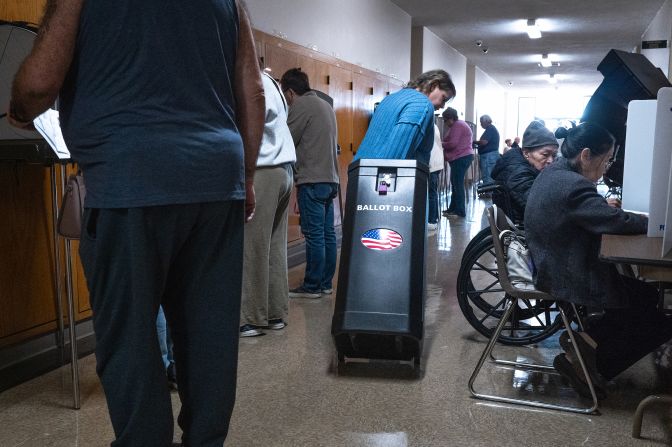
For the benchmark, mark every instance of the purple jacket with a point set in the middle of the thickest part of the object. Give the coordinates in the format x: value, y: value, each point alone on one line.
x: 457, y: 142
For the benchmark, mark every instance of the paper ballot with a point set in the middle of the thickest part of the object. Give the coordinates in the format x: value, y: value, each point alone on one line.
x: 49, y: 126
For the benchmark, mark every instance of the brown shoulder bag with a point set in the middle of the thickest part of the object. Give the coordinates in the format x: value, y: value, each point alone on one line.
x: 72, y: 207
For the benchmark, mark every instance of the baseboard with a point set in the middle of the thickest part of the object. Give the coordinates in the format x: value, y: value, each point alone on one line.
x: 38, y: 356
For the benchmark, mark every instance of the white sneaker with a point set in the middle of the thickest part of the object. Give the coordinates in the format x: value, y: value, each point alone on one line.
x: 327, y: 291
x: 276, y: 324
x: 300, y: 292
x: 432, y: 226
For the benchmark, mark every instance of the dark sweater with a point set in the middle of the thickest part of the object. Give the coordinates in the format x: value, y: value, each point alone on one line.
x: 565, y: 219
x: 516, y: 175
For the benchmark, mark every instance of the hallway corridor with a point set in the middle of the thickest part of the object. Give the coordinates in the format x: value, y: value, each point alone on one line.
x: 290, y: 396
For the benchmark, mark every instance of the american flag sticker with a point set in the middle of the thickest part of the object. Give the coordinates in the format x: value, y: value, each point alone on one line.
x: 381, y: 239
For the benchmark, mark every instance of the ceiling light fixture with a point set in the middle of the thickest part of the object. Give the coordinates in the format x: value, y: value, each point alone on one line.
x: 552, y: 79
x: 533, y: 30
x: 545, y: 61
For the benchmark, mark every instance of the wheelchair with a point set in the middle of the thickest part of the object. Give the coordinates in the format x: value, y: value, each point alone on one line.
x: 482, y: 299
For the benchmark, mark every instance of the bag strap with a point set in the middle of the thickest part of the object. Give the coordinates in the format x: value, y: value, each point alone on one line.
x: 512, y: 227
x: 277, y: 87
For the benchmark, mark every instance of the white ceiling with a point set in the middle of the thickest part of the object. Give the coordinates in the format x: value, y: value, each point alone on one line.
x: 576, y: 33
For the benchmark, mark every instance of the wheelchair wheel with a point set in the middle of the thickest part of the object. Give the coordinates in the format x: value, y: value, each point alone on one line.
x: 480, y: 236
x: 482, y: 300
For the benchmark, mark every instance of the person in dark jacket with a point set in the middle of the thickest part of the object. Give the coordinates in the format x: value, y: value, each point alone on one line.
x: 565, y: 218
x: 518, y: 168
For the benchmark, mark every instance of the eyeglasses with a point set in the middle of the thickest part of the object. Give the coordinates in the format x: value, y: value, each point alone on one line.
x: 610, y: 162
x: 446, y: 98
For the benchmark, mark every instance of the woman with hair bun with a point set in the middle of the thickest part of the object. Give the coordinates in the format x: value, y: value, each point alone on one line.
x: 565, y: 219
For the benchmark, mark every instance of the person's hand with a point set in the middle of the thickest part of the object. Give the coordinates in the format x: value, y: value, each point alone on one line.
x: 296, y: 209
x: 615, y: 203
x: 250, y: 201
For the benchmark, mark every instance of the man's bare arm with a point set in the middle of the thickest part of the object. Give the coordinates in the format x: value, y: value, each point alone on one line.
x: 250, y: 105
x: 41, y: 75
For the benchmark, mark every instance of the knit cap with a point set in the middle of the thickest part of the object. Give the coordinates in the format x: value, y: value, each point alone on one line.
x: 537, y: 135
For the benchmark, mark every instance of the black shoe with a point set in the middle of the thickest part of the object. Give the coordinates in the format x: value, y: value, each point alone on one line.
x: 171, y: 376
x: 572, y: 372
x: 587, y: 352
x: 301, y: 292
x: 248, y: 330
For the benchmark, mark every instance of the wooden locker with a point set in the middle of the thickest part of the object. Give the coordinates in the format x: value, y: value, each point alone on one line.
x: 279, y: 60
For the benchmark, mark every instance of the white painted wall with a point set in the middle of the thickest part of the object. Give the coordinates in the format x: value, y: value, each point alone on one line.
x: 490, y: 98
x: 438, y: 54
x: 375, y: 34
x: 660, y: 29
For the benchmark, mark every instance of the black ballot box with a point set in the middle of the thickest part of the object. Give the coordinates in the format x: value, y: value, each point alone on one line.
x: 379, y: 309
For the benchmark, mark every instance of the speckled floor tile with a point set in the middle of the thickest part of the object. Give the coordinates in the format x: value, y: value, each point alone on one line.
x: 291, y: 395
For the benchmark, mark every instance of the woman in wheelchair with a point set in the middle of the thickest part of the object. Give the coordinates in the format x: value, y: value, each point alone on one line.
x: 478, y: 291
x: 565, y: 218
x: 517, y: 169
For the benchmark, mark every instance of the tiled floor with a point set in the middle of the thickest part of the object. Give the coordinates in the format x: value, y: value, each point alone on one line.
x: 290, y: 395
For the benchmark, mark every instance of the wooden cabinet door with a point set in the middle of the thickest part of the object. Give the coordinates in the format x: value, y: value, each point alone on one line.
x: 279, y: 60
x: 394, y: 85
x: 320, y: 79
x: 307, y: 65
x: 22, y: 10
x: 340, y: 89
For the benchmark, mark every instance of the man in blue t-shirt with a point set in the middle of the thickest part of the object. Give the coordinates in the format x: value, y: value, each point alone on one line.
x: 166, y: 130
x: 488, y: 149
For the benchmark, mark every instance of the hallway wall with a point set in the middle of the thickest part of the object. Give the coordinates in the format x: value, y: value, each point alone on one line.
x: 429, y: 52
x: 374, y: 34
x: 490, y: 99
x: 661, y: 29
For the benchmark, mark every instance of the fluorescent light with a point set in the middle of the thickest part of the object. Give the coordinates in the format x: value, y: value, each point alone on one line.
x: 533, y: 30
x: 545, y: 61
x: 552, y: 79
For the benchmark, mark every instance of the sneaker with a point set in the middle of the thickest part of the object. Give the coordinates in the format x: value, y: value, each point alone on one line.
x: 432, y: 226
x: 573, y: 373
x: 248, y: 330
x: 300, y: 292
x: 328, y: 291
x: 276, y: 324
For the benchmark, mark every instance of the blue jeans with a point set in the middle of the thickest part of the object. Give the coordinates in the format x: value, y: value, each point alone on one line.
x: 316, y: 205
x: 165, y: 342
x: 433, y: 197
x: 458, y: 169
x: 487, y: 162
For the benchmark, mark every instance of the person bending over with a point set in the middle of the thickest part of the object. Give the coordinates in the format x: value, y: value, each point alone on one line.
x: 458, y: 152
x: 402, y: 126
